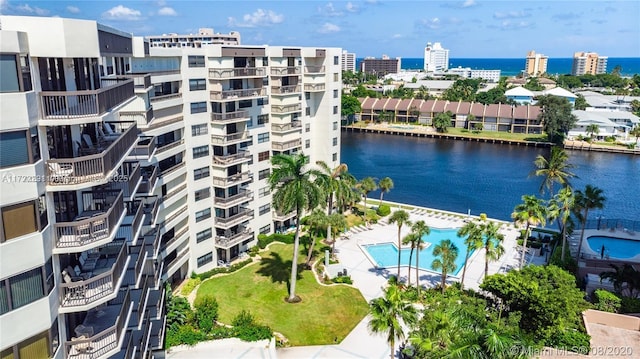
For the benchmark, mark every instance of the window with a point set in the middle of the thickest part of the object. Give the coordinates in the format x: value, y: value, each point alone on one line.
x: 262, y: 101
x: 202, y: 215
x: 336, y: 60
x: 336, y: 77
x: 205, y: 259
x: 264, y: 174
x: 263, y: 137
x: 204, y: 235
x: 200, y: 173
x: 198, y: 130
x: 245, y: 103
x: 307, y: 143
x: 197, y: 84
x: 335, y: 125
x: 196, y: 61
x: 307, y: 95
x: 335, y: 141
x: 19, y: 148
x: 307, y: 111
x: 264, y: 191
x: 265, y: 61
x: 19, y: 219
x: 265, y: 209
x: 263, y: 156
x: 262, y: 119
x: 42, y: 345
x: 198, y: 107
x: 202, y: 194
x: 335, y: 93
x: 200, y: 151
x: 307, y: 127
x: 335, y: 110
x: 26, y: 288
x: 16, y: 77
x: 335, y: 157
x: 248, y: 142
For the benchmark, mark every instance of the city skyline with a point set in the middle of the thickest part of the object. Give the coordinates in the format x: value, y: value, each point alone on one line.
x: 556, y: 29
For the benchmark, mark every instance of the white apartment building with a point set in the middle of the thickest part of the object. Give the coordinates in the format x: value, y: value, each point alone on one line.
x: 205, y: 36
x: 348, y: 61
x: 436, y: 58
x: 469, y: 73
x: 152, y: 163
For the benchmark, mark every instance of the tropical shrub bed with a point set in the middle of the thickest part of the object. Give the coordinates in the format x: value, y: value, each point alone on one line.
x: 218, y: 270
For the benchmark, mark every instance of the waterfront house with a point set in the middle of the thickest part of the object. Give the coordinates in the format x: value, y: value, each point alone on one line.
x: 520, y: 95
x: 560, y: 92
x: 610, y: 123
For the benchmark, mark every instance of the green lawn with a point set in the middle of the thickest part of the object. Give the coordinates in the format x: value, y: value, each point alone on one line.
x: 324, y: 314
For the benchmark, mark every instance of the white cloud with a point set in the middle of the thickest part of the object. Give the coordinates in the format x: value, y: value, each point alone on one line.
x: 510, y: 15
x: 161, y: 3
x: 469, y: 3
x: 513, y: 25
x: 31, y: 10
x: 73, y: 9
x: 328, y: 28
x: 397, y: 36
x: 121, y: 13
x: 3, y: 4
x: 432, y: 24
x: 167, y: 11
x: 329, y: 10
x: 351, y: 7
x: 259, y: 17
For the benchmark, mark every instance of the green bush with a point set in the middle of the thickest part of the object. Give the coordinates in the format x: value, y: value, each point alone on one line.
x: 384, y: 210
x: 206, y: 312
x: 342, y: 279
x: 569, y: 339
x: 568, y: 264
x: 630, y: 305
x: 610, y: 139
x: 218, y: 270
x: 246, y: 328
x: 221, y: 332
x: 264, y: 240
x: 607, y: 301
x: 185, y: 334
x: 253, y: 251
x: 190, y: 285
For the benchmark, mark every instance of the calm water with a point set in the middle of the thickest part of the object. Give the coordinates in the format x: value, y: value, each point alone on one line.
x: 485, y: 178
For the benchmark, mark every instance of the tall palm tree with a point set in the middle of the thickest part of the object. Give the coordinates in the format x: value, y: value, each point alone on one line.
x: 334, y: 183
x: 420, y: 229
x: 317, y: 221
x: 400, y: 217
x: 473, y: 241
x: 592, y: 129
x: 591, y: 198
x: 493, y: 248
x: 446, y: 253
x: 336, y: 224
x: 530, y: 212
x: 387, y: 312
x: 367, y: 184
x: 412, y: 240
x: 560, y: 207
x: 294, y: 189
x: 635, y: 132
x: 554, y: 169
x: 385, y: 184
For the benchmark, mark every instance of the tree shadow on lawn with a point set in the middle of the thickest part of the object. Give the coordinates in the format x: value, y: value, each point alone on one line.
x: 278, y: 269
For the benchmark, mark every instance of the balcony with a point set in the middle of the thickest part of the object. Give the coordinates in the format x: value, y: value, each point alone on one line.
x: 167, y: 146
x: 65, y: 105
x: 286, y: 128
x: 233, y: 200
x: 229, y: 117
x: 286, y: 90
x: 149, y: 180
x: 308, y: 70
x: 175, y: 215
x: 229, y: 139
x: 131, y: 225
x: 232, y: 180
x: 145, y: 148
x: 238, y: 218
x: 102, y: 281
x: 127, y: 179
x: 285, y: 70
x: 174, y: 241
x: 234, y: 238
x: 283, y: 146
x: 173, y: 266
x: 286, y: 108
x: 94, y: 168
x: 166, y: 97
x: 142, y: 118
x: 107, y: 338
x: 232, y: 159
x: 91, y: 226
x: 231, y: 95
x: 314, y: 87
x: 279, y: 217
x: 165, y: 121
x: 150, y: 207
x: 227, y: 73
x: 173, y: 168
x: 170, y: 197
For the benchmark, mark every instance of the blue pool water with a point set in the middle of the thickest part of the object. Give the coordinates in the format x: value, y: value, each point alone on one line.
x: 614, y: 247
x: 386, y: 254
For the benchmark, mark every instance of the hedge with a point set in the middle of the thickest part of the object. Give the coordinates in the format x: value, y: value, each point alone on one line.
x: 219, y: 270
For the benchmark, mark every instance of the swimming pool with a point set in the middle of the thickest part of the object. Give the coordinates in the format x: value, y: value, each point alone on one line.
x: 385, y: 255
x: 614, y: 247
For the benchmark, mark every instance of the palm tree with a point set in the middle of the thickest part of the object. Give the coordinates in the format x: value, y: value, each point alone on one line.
x: 367, y: 184
x: 400, y: 217
x: 560, y: 207
x: 554, y: 169
x: 531, y: 212
x: 334, y: 183
x: 592, y: 129
x: 591, y: 198
x: 493, y: 248
x: 385, y: 184
x: 336, y: 224
x: 447, y: 253
x: 635, y: 132
x: 294, y: 189
x: 621, y: 275
x: 412, y: 240
x: 317, y: 220
x: 420, y: 229
x: 473, y: 241
x: 387, y: 312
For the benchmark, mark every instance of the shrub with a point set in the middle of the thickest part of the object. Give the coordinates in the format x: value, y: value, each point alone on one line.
x: 218, y: 270
x: 630, y: 305
x: 342, y: 279
x: 190, y: 285
x: 568, y: 264
x: 264, y: 240
x: 206, y: 312
x: 607, y: 301
x: 246, y: 328
x: 253, y: 251
x: 610, y: 139
x: 383, y: 210
x: 185, y: 334
x: 569, y: 339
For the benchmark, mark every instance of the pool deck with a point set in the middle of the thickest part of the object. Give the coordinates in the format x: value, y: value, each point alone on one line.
x: 589, y: 253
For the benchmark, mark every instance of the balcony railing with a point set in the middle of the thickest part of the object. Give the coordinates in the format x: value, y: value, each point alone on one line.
x: 229, y: 117
x: 89, y: 227
x: 159, y: 122
x: 286, y: 145
x: 237, y: 72
x: 314, y: 87
x: 175, y: 215
x: 177, y: 237
x: 141, y: 80
x: 173, y: 168
x: 243, y: 215
x: 237, y: 94
x: 144, y: 147
x: 87, y: 103
x: 235, y: 238
x: 150, y: 206
x: 287, y: 127
x: 314, y: 69
x: 168, y: 146
x: 127, y: 178
x: 129, y: 227
x: 180, y: 257
x: 106, y: 340
x: 228, y: 160
x: 165, y: 97
x: 284, y: 71
x: 91, y: 168
x: 241, y: 196
x: 286, y: 108
x: 284, y: 90
x: 231, y: 180
x: 142, y: 118
x: 174, y: 192
x: 229, y: 139
x: 149, y: 179
x: 102, y: 283
x: 277, y: 216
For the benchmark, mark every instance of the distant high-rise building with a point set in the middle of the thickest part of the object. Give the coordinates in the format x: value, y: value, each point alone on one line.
x: 436, y: 58
x: 382, y: 66
x: 348, y: 61
x: 536, y: 64
x: 205, y: 36
x: 588, y: 63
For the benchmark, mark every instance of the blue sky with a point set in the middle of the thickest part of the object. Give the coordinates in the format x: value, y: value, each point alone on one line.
x: 469, y: 28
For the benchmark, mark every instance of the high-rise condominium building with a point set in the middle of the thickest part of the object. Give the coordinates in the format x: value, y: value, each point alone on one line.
x: 382, y: 66
x: 588, y: 63
x: 125, y: 166
x: 205, y: 36
x: 536, y: 64
x: 348, y: 61
x: 436, y: 58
